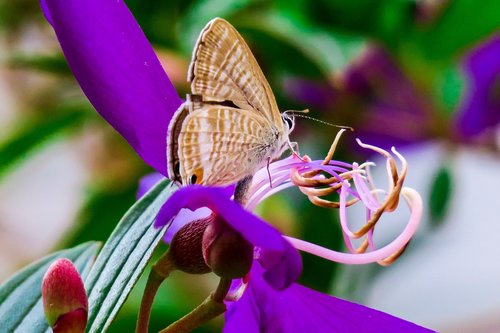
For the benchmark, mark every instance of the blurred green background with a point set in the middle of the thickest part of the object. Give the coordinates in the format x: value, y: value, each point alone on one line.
x: 392, y: 69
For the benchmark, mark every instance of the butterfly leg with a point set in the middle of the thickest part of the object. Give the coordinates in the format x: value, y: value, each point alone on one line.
x: 294, y: 148
x: 269, y: 172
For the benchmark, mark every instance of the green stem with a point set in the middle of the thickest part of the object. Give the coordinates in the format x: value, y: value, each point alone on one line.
x: 211, y: 307
x: 160, y: 271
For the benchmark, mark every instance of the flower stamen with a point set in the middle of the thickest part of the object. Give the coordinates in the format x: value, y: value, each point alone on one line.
x: 352, y: 183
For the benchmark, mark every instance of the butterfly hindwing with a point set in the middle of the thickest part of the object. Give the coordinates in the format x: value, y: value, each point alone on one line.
x: 218, y: 145
x: 174, y: 129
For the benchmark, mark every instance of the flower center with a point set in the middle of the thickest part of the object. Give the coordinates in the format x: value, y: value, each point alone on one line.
x: 350, y: 185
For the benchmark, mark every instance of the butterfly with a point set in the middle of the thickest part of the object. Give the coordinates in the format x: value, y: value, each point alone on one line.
x: 230, y: 126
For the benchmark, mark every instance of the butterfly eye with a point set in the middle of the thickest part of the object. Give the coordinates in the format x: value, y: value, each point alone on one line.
x: 193, y: 179
x: 289, y: 122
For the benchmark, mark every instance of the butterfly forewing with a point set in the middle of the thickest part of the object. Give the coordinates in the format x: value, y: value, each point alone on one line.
x: 223, y: 68
x: 230, y: 126
x: 219, y: 145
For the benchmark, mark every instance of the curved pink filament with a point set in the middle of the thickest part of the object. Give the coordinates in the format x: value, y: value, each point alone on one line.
x: 414, y: 202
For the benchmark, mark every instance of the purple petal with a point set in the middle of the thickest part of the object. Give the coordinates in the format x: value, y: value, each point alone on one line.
x: 147, y: 182
x: 281, y: 261
x: 184, y: 217
x: 45, y: 10
x: 118, y: 71
x: 481, y: 107
x: 389, y: 101
x: 312, y: 93
x: 299, y: 309
x: 406, y: 128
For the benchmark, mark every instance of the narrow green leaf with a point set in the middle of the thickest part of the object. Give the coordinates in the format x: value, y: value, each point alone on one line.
x: 449, y: 87
x: 21, y: 308
x: 46, y: 63
x: 441, y: 192
x: 329, y: 51
x: 463, y: 23
x: 24, y: 141
x: 124, y: 257
x: 203, y: 11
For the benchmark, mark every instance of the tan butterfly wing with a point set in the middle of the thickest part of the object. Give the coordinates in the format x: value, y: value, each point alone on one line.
x: 220, y: 145
x: 223, y: 68
x: 174, y: 129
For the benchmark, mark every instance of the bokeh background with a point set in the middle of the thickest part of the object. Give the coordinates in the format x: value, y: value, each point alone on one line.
x: 421, y: 75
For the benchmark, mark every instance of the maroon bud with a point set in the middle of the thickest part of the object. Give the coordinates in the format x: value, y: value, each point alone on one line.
x: 64, y: 299
x: 71, y: 322
x: 185, y: 249
x: 226, y: 251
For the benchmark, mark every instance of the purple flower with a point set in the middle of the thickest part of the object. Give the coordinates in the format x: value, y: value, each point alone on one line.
x: 316, y: 179
x: 300, y: 309
x: 480, y: 109
x: 372, y: 95
x: 279, y: 257
x: 268, y: 299
x: 383, y: 96
x: 122, y: 77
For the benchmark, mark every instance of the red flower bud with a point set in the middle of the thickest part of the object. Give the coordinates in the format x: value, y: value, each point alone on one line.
x: 64, y: 299
x: 185, y: 248
x: 225, y: 251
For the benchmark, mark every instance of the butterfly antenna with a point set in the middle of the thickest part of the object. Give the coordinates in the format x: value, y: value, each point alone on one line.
x: 299, y: 111
x: 301, y: 115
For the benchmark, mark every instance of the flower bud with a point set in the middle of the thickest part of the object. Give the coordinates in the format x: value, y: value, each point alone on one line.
x: 227, y: 253
x: 185, y: 248
x: 64, y: 299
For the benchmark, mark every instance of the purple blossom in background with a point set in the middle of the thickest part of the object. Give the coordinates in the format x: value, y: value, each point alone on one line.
x: 480, y: 109
x: 383, y: 97
x: 390, y: 99
x: 373, y: 95
x: 120, y: 74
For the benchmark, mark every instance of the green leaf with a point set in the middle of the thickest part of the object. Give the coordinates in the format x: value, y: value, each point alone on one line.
x: 21, y: 308
x: 463, y: 23
x: 46, y: 63
x: 104, y: 206
x: 441, y: 191
x: 449, y: 86
x: 331, y: 52
x: 31, y: 137
x: 383, y: 20
x: 124, y: 257
x: 203, y: 11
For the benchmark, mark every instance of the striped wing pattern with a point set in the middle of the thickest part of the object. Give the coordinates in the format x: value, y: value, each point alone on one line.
x: 223, y: 68
x: 230, y: 125
x: 174, y: 129
x: 219, y: 145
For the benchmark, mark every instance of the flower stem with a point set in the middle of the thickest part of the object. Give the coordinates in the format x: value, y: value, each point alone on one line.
x: 211, y: 307
x: 160, y: 271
